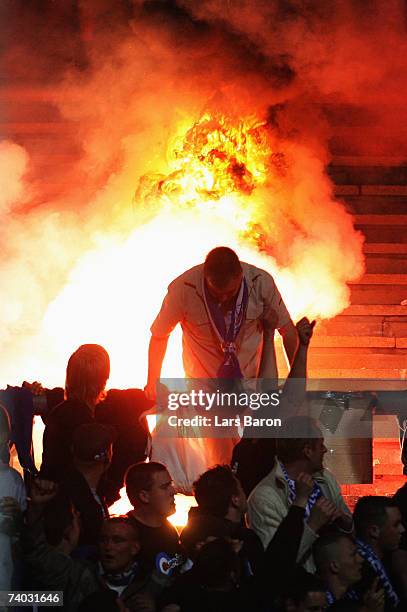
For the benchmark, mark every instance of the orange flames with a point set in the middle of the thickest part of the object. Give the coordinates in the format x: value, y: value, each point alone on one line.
x: 224, y: 182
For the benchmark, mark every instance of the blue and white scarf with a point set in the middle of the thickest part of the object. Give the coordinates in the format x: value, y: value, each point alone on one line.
x: 227, y: 334
x: 121, y: 579
x: 315, y: 493
x: 370, y: 556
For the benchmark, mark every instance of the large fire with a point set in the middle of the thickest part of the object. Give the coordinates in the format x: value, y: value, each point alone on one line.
x: 224, y: 182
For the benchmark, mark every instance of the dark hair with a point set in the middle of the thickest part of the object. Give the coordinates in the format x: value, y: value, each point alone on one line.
x: 139, y: 477
x: 122, y: 520
x: 214, y: 489
x: 371, y: 510
x: 221, y: 265
x: 295, y: 434
x: 324, y: 549
x: 86, y: 374
x: 215, y: 563
x: 303, y: 584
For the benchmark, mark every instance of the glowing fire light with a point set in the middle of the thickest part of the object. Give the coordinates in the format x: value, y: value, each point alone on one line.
x: 224, y: 182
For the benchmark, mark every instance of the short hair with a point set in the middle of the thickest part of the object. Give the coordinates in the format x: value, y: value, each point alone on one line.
x: 215, y: 563
x: 371, y: 510
x: 139, y: 477
x: 86, y: 374
x: 303, y: 584
x: 214, y: 489
x: 294, y: 435
x: 325, y: 548
x: 123, y: 520
x: 221, y: 265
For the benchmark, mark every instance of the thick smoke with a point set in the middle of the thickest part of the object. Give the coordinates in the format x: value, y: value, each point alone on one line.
x: 123, y: 76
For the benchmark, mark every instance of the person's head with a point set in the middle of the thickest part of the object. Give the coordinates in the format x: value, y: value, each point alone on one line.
x: 307, y: 595
x: 92, y: 446
x: 336, y: 558
x: 218, y: 492
x: 301, y: 440
x: 217, y: 564
x: 87, y: 373
x: 223, y: 273
x: 378, y: 521
x: 5, y: 433
x: 149, y: 486
x: 119, y: 544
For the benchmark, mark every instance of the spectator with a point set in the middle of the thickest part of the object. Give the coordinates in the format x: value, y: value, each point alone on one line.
x: 151, y: 493
x: 86, y: 376
x: 214, y: 583
x: 52, y: 567
x: 307, y: 594
x: 255, y: 591
x: 83, y: 485
x: 340, y: 565
x: 253, y: 459
x: 378, y: 529
x: 300, y: 449
x: 12, y: 503
x: 222, y: 505
x: 123, y: 409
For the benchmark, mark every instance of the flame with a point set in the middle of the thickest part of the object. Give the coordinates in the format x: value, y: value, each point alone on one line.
x: 179, y: 519
x: 224, y: 182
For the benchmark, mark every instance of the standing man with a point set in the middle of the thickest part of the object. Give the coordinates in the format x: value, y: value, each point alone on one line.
x: 228, y: 311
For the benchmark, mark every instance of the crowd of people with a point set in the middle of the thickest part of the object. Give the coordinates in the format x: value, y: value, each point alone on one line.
x: 271, y: 531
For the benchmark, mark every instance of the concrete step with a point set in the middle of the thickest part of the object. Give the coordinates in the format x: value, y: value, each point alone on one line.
x: 361, y: 326
x: 389, y: 234
x: 345, y: 191
x: 368, y: 175
x: 373, y: 293
x: 356, y: 360
x: 381, y: 220
x: 385, y: 249
x: 381, y: 279
x: 376, y: 205
x: 391, y: 263
x: 356, y: 341
x: 348, y: 372
x: 391, y: 310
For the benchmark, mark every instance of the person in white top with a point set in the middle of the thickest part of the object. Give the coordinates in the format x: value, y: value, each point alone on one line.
x: 13, y: 501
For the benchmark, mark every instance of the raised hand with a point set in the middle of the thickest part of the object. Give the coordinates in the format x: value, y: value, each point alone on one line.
x: 303, y: 489
x: 322, y: 513
x: 305, y: 330
x: 42, y: 491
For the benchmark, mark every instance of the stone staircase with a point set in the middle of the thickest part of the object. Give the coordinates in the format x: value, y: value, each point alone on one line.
x: 369, y: 338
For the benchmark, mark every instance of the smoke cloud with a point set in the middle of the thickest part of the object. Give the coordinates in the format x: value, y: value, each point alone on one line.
x: 110, y: 84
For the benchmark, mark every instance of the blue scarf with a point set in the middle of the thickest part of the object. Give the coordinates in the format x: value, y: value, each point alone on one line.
x: 230, y: 367
x: 315, y: 493
x: 121, y: 578
x: 370, y: 556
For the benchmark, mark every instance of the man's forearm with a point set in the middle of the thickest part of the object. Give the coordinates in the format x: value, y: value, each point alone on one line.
x: 156, y: 354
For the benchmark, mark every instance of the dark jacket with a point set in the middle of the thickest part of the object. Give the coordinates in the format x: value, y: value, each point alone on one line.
x: 60, y: 424
x: 51, y: 569
x: 200, y: 526
x: 272, y: 578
